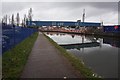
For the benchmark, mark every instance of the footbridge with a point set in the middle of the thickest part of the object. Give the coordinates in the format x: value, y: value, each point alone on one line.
x: 62, y: 23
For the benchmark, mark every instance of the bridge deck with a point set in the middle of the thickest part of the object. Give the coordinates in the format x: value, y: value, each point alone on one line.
x: 45, y: 61
x: 62, y: 23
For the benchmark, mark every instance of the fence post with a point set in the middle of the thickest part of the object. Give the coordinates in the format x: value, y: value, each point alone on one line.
x: 14, y: 34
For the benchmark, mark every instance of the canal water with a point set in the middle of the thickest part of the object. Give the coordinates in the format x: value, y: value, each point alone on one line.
x: 99, y: 54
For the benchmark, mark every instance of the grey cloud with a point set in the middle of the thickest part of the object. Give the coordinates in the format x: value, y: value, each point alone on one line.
x: 63, y: 10
x: 60, y: 0
x: 70, y: 5
x: 11, y: 7
x: 106, y: 5
x: 99, y: 5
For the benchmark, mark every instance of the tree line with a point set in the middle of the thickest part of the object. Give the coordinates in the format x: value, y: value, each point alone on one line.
x: 12, y: 20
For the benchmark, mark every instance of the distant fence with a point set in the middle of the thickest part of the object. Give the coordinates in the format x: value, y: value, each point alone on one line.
x: 12, y: 36
x: 115, y: 28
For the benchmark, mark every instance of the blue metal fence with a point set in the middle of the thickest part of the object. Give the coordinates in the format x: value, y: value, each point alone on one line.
x: 115, y: 28
x: 12, y: 36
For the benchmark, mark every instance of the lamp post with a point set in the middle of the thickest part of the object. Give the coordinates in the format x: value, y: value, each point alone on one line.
x: 83, y: 18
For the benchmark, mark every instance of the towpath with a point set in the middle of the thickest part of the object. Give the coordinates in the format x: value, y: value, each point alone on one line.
x: 45, y: 61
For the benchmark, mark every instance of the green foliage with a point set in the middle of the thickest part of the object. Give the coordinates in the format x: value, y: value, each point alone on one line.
x: 13, y: 61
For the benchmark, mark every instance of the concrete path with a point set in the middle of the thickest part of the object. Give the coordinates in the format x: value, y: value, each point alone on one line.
x: 45, y: 61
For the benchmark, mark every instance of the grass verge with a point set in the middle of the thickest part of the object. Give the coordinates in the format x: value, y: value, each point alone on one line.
x: 13, y: 60
x: 76, y: 63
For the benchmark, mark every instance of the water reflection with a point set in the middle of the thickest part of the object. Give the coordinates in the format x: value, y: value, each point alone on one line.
x: 112, y: 42
x: 81, y: 45
x: 98, y: 53
x: 83, y: 39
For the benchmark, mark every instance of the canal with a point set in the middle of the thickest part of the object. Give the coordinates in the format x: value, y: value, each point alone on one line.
x: 98, y: 53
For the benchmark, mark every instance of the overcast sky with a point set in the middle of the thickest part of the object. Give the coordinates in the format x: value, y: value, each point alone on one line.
x: 65, y: 11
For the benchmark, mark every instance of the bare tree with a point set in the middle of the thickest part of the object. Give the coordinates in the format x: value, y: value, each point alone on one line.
x: 12, y: 19
x: 22, y: 23
x: 25, y: 20
x: 18, y: 19
x: 30, y: 14
x: 2, y: 20
x: 6, y: 19
x: 9, y: 20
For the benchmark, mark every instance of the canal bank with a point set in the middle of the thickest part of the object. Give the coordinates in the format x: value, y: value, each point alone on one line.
x: 102, y: 58
x: 77, y: 63
x: 45, y: 61
x: 115, y: 35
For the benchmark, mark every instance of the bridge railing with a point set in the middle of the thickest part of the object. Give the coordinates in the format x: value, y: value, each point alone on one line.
x: 62, y: 23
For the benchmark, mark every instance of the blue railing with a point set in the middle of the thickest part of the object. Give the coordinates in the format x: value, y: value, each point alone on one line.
x: 12, y: 36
